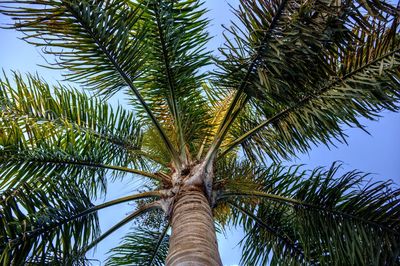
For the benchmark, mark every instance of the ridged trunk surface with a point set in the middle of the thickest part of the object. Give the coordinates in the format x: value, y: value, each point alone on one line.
x: 193, y: 240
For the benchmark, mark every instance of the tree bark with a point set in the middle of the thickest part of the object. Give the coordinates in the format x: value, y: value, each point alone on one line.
x: 193, y: 240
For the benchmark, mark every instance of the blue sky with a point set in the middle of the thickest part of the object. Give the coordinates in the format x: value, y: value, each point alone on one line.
x: 377, y: 153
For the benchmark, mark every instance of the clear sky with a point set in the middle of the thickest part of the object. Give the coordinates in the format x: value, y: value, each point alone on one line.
x: 378, y: 153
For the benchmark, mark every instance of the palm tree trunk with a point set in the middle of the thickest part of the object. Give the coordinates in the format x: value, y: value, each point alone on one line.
x: 193, y: 240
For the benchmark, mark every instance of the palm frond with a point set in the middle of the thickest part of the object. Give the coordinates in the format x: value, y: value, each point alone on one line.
x: 176, y: 38
x: 98, y: 50
x: 50, y: 222
x: 142, y: 246
x: 294, y: 216
x: 33, y: 223
x: 64, y: 135
x: 309, y: 76
x: 30, y: 151
x: 54, y: 154
x: 32, y: 99
x: 99, y: 42
x: 239, y: 70
x: 283, y: 248
x: 55, y: 259
x: 219, y: 106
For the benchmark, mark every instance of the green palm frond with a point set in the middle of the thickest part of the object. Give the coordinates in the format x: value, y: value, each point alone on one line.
x: 33, y: 100
x: 27, y: 166
x: 34, y: 224
x: 99, y: 42
x: 103, y: 53
x: 142, y: 246
x: 306, y: 77
x: 54, y: 155
x: 281, y: 249
x: 50, y: 259
x: 63, y: 132
x: 295, y: 216
x: 87, y: 161
x: 52, y: 222
x: 176, y: 38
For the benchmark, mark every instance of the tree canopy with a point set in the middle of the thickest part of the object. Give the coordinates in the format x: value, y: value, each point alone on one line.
x: 291, y: 74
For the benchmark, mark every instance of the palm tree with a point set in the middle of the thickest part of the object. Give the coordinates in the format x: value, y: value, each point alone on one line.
x: 207, y: 144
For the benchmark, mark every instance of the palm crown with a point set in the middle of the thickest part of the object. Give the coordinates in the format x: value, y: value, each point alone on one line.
x: 291, y: 74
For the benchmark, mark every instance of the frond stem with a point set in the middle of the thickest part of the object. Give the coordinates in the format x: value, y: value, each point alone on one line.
x: 121, y: 223
x: 160, y: 240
